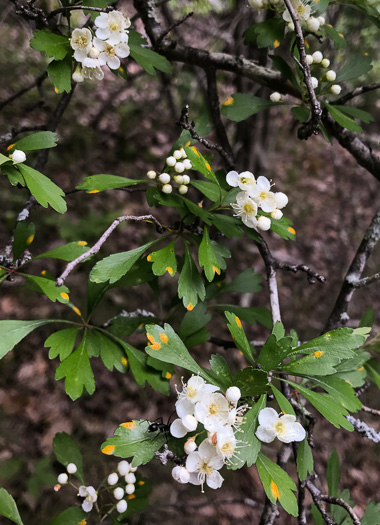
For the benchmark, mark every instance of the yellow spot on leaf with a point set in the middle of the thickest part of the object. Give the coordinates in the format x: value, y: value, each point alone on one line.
x: 149, y: 258
x: 94, y: 191
x: 82, y: 243
x: 128, y: 424
x: 150, y: 338
x: 43, y: 272
x: 64, y: 295
x: 124, y: 361
x: 195, y: 150
x: 169, y: 269
x: 318, y: 354
x: 82, y: 522
x: 238, y: 322
x: 77, y: 311
x: 365, y: 54
x: 168, y: 375
x: 190, y: 307
x: 121, y: 69
x: 228, y: 102
x: 291, y: 230
x: 29, y: 240
x: 341, y: 35
x: 306, y: 44
x: 108, y: 450
x: 276, y: 43
x: 131, y: 496
x: 156, y: 346
x: 208, y: 166
x: 329, y: 25
x: 216, y: 270
x: 141, y: 483
x: 349, y: 383
x: 187, y: 144
x: 361, y: 368
x: 163, y: 337
x: 10, y: 147
x: 274, y: 490
x: 56, y: 90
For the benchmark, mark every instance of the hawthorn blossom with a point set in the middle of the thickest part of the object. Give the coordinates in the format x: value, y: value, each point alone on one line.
x: 212, y: 411
x: 81, y: 42
x: 226, y: 443
x: 245, y: 181
x: 302, y: 9
x: 263, y: 196
x: 246, y: 209
x: 194, y: 389
x: 181, y: 474
x: 203, y: 466
x: 91, y: 70
x: 285, y: 428
x: 112, y: 26
x: 110, y: 54
x: 89, y: 493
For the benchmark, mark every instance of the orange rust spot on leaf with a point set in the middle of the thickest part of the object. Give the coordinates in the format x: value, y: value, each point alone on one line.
x: 128, y: 424
x: 168, y: 375
x: 108, y: 450
x: 318, y: 353
x: 276, y: 44
x: 10, y: 147
x: 208, y: 166
x: 43, y: 272
x: 29, y: 240
x: 274, y: 490
x: 149, y: 258
x: 156, y: 346
x: 361, y: 368
x: 77, y: 311
x: 195, y: 150
x: 124, y: 361
x: 190, y: 307
x: 131, y: 496
x: 291, y: 230
x: 141, y: 483
x: 163, y: 337
x: 228, y: 102
x: 187, y: 144
x: 82, y: 243
x: 94, y: 191
x: 150, y: 338
x: 64, y: 295
x: 216, y: 270
x: 170, y: 271
x: 238, y: 322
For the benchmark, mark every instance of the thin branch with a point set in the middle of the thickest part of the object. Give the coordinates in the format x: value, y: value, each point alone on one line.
x: 312, y: 276
x: 224, y: 343
x: 356, y: 93
x: 270, y: 265
x: 269, y: 514
x: 30, y: 12
x: 364, y: 430
x: 9, y: 137
x: 70, y: 267
x: 370, y: 410
x: 316, y: 495
x: 370, y: 239
x: 365, y: 281
x: 35, y: 83
x: 362, y: 389
x: 316, y: 109
x: 341, y: 503
x: 81, y: 7
x: 171, y: 27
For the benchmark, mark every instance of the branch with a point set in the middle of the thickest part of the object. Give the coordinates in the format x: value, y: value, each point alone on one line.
x: 311, y: 274
x: 356, y: 92
x: 35, y: 83
x: 316, y: 495
x: 364, y: 430
x: 370, y: 239
x: 70, y: 267
x: 81, y: 7
x: 341, y: 503
x: 370, y: 410
x: 365, y: 281
x: 30, y: 12
x: 316, y: 109
x: 270, y: 265
x: 171, y: 27
x: 9, y: 137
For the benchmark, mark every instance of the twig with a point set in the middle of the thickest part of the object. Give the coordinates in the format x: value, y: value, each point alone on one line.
x: 365, y: 281
x: 224, y: 343
x: 311, y: 274
x: 370, y: 239
x: 316, y: 109
x: 70, y: 267
x: 341, y: 503
x: 371, y: 410
x: 167, y: 455
x: 35, y: 83
x: 270, y: 265
x: 316, y: 495
x: 364, y: 430
x: 171, y: 27
x: 269, y: 514
x: 362, y: 389
x: 81, y: 7
x: 9, y: 137
x: 356, y: 92
x: 30, y: 12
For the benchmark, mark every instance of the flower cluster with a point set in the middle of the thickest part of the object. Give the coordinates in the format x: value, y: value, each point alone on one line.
x: 109, y: 44
x: 317, y: 59
x: 125, y: 487
x: 256, y: 194
x: 176, y: 165
x: 200, y: 403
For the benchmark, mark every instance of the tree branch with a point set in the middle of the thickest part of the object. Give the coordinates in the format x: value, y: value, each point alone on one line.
x: 270, y: 265
x: 341, y: 503
x: 81, y: 7
x: 364, y: 430
x: 370, y: 410
x: 356, y: 92
x: 316, y: 495
x: 35, y: 83
x: 365, y: 281
x: 70, y: 267
x: 312, y: 276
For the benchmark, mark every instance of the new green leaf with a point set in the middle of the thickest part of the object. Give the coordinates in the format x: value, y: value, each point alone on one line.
x: 37, y: 141
x: 43, y: 189
x: 190, y: 284
x: 96, y: 183
x: 12, y: 332
x: 8, y: 507
x: 66, y: 451
x: 164, y: 260
x: 53, y: 45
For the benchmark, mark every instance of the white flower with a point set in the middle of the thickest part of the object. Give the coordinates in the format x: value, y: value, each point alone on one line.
x: 189, y: 422
x: 132, y: 469
x: 335, y: 89
x: 92, y: 71
x: 263, y: 223
x: 112, y: 479
x: 285, y: 428
x: 151, y: 174
x: 183, y: 189
x: 18, y: 156
x: 276, y: 215
x: 313, y: 24
x: 212, y: 411
x: 321, y: 20
x: 263, y: 196
x: 186, y: 179
x: 181, y: 474
x: 118, y: 493
x: 89, y: 493
x: 275, y: 96
x: 177, y: 154
x: 187, y: 164
x: 111, y: 26
x: 226, y: 443
x: 177, y: 429
x: 302, y: 9
x: 317, y: 57
x: 77, y: 76
x: 314, y: 82
x: 81, y: 42
x: 179, y: 167
x: 178, y: 179
x: 246, y: 180
x: 94, y: 52
x: 233, y: 394
x: 330, y: 75
x: 193, y: 390
x: 203, y: 466
x: 246, y: 209
x: 110, y: 53
x: 63, y: 478
x: 309, y: 59
x: 121, y: 506
x: 71, y: 468
x: 167, y: 188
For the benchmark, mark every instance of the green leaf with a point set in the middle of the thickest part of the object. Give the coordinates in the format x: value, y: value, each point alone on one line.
x: 13, y: 175
x: 305, y: 462
x: 243, y: 106
x: 252, y: 382
x: 238, y: 335
x: 77, y: 371
x: 127, y: 323
x: 301, y: 113
x: 229, y: 226
x: 23, y: 237
x: 199, y: 163
x: 60, y: 73
x: 319, y: 363
x: 96, y: 183
x: 246, y: 282
x: 66, y: 451
x: 49, y: 288
x: 373, y: 368
x: 192, y: 329
x: 274, y: 352
x: 342, y: 119
x: 210, y: 189
x: 337, y: 38
x: 202, y: 127
x: 110, y: 352
x: 132, y: 440
x: 42, y: 476
x: 364, y: 116
x: 372, y: 514
x: 4, y: 159
x: 12, y: 332
x: 267, y: 34
x: 148, y: 59
x: 277, y: 484
x: 66, y: 252
x: 246, y: 433
x: 283, y: 403
x: 53, y: 45
x: 340, y: 390
x: 142, y: 372
x: 368, y: 318
x: 8, y: 507
x: 339, y: 343
x: 113, y: 267
x: 164, y: 260
x: 11, y: 466
x: 220, y: 367
x: 248, y: 315
x: 284, y: 228
x: 207, y: 257
x: 190, y: 284
x: 70, y: 516
x: 94, y: 3
x: 333, y: 474
x: 37, y: 141
x: 283, y: 67
x: 355, y: 67
x: 61, y: 343
x: 43, y: 189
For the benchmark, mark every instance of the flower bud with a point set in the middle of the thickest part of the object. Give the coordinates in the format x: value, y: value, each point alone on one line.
x: 178, y: 179
x: 183, y: 153
x: 321, y: 20
x: 179, y: 167
x: 317, y: 57
x: 71, y: 468
x: 325, y: 63
x: 275, y: 96
x: 314, y: 82
x: 151, y: 174
x: 187, y: 164
x: 170, y: 161
x: 132, y: 469
x: 164, y: 178
x: 335, y: 89
x: 309, y: 59
x: 330, y: 75
x: 263, y: 223
x: 291, y: 26
x: 281, y: 199
x: 312, y: 24
x: 180, y: 474
x: 189, y: 422
x: 167, y: 188
x: 130, y: 478
x: 186, y: 179
x: 233, y: 393
x: 94, y: 52
x: 18, y: 156
x: 190, y: 446
x: 276, y: 214
x: 123, y: 467
x: 183, y: 189
x: 177, y: 154
x: 112, y: 479
x: 121, y: 506
x: 63, y: 478
x: 77, y: 76
x: 130, y: 488
x: 118, y: 493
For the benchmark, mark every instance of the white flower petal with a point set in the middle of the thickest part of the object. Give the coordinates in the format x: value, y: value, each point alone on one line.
x: 113, y: 63
x: 102, y: 33
x: 193, y: 461
x: 87, y: 505
x: 288, y: 418
x: 232, y: 178
x: 263, y: 183
x: 101, y: 20
x: 122, y: 50
x: 177, y: 429
x: 100, y: 44
x: 268, y: 417
x: 194, y: 479
x: 214, y: 480
x: 265, y: 434
x: 82, y: 491
x: 184, y: 407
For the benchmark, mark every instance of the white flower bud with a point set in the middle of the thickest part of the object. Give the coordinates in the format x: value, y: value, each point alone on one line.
x: 71, y: 468
x: 180, y: 474
x: 77, y: 75
x: 151, y: 174
x: 112, y: 479
x: 183, y: 189
x: 164, y: 178
x: 190, y: 446
x: 189, y: 421
x: 187, y: 164
x: 186, y: 179
x: 18, y: 156
x: 132, y: 469
x: 183, y: 153
x: 325, y: 63
x: 312, y: 24
x: 335, y: 89
x: 178, y: 179
x: 179, y: 167
x: 130, y: 478
x: 121, y: 506
x: 63, y: 478
x: 314, y: 82
x: 275, y: 96
x: 94, y: 52
x: 281, y: 199
x: 233, y: 393
x: 317, y: 57
x: 291, y: 26
x: 118, y: 493
x: 321, y: 20
x: 276, y: 215
x: 123, y: 467
x: 170, y: 161
x: 130, y: 488
x: 177, y: 154
x: 167, y: 188
x: 263, y: 223
x: 309, y: 59
x: 330, y: 75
